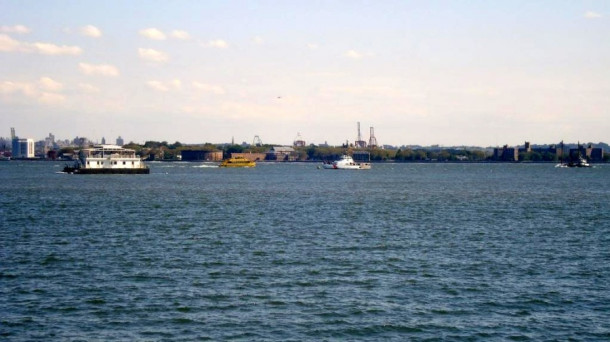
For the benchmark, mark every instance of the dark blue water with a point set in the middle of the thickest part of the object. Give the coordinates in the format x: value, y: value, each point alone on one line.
x: 287, y: 252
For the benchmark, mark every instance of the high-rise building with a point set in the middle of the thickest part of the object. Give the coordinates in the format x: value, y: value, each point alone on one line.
x: 23, y: 148
x: 119, y: 141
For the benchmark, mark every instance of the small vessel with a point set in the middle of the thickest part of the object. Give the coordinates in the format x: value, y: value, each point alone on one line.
x: 578, y: 161
x: 562, y: 162
x: 107, y: 159
x: 237, y: 162
x: 346, y: 163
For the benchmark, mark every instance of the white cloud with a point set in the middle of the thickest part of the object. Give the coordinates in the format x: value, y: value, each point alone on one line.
x: 312, y: 46
x: 592, y: 15
x: 8, y: 44
x: 34, y: 90
x: 157, y: 85
x: 179, y: 34
x: 165, y: 87
x: 258, y: 40
x: 15, y: 29
x: 52, y: 49
x: 218, y: 43
x: 153, y: 33
x: 208, y: 88
x: 353, y: 54
x: 91, y: 31
x: 152, y: 55
x: 51, y: 98
x: 88, y: 88
x: 49, y: 84
x: 99, y: 69
x: 8, y: 87
x: 177, y: 84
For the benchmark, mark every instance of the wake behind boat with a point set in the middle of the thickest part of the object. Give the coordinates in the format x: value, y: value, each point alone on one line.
x: 346, y: 163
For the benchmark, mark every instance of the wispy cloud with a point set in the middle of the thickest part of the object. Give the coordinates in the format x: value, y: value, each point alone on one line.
x: 49, y: 84
x: 217, y: 43
x: 312, y: 46
x: 152, y: 55
x: 153, y: 33
x: 91, y: 31
x: 179, y: 34
x: 88, y: 88
x: 353, y: 54
x: 208, y: 88
x: 165, y: 86
x: 45, y: 91
x: 99, y: 69
x: 258, y: 40
x: 8, y: 44
x: 592, y: 15
x: 21, y: 29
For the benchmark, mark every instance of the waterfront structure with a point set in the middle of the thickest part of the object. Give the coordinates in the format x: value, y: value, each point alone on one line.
x: 281, y: 153
x: 201, y: 155
x: 250, y: 156
x: 506, y: 154
x: 298, y: 141
x: 23, y: 148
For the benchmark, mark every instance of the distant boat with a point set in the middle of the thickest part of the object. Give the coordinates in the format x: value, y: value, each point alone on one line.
x: 107, y: 159
x: 346, y: 163
x: 579, y: 161
x: 237, y: 162
x: 561, y: 162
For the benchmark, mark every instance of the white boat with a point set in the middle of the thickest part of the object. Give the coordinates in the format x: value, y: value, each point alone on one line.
x: 108, y: 159
x: 346, y: 163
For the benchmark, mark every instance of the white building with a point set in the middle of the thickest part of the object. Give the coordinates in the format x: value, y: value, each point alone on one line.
x: 23, y: 148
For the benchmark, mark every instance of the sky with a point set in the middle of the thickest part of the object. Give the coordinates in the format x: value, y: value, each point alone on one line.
x: 475, y: 73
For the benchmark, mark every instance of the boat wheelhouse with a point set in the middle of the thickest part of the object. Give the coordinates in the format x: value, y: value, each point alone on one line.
x: 108, y: 159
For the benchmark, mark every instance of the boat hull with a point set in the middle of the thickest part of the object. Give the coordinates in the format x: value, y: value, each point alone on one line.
x: 81, y: 171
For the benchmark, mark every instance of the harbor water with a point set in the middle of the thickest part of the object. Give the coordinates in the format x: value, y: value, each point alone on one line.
x: 288, y: 252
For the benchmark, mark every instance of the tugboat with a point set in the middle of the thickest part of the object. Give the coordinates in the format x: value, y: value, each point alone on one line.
x: 107, y: 159
x: 237, y: 162
x: 578, y: 161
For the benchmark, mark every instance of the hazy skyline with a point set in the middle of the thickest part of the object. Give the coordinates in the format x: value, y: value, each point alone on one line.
x: 420, y: 72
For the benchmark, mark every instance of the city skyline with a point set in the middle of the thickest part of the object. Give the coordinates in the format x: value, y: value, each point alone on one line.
x: 446, y: 73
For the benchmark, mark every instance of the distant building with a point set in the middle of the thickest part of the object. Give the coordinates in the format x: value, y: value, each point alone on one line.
x: 281, y: 153
x: 299, y: 142
x: 103, y: 141
x: 506, y: 153
x: 201, y: 155
x: 119, y: 141
x: 249, y: 156
x: 23, y: 148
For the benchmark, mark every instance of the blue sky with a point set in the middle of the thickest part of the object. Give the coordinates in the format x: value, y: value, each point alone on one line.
x: 421, y: 72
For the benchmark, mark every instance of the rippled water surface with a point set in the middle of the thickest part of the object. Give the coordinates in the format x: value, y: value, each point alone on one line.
x: 287, y: 252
